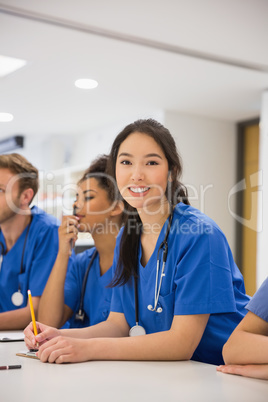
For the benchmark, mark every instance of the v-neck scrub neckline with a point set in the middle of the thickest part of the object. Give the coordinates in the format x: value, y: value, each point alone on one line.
x: 144, y: 271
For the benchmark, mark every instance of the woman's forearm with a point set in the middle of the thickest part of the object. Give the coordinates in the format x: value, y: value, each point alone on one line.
x: 109, y: 340
x: 105, y: 329
x: 17, y: 319
x: 178, y: 343
x: 246, y: 348
x: 158, y: 346
x: 51, y: 306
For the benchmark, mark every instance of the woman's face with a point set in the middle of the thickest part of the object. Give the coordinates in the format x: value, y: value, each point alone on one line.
x: 142, y: 172
x: 93, y: 206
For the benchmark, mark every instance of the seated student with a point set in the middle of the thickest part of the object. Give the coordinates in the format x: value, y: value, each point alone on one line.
x: 246, y: 351
x: 71, y: 293
x: 28, y: 242
x: 175, y: 281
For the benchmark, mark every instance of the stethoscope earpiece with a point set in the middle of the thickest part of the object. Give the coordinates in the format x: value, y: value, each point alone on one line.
x: 158, y: 310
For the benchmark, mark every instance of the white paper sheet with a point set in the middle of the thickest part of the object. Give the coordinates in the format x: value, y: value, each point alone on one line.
x: 11, y: 336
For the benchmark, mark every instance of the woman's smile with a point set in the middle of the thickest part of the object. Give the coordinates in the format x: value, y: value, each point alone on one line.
x: 139, y: 191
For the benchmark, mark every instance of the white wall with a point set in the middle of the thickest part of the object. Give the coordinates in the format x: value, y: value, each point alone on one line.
x: 208, y: 150
x: 100, y: 140
x: 56, y: 152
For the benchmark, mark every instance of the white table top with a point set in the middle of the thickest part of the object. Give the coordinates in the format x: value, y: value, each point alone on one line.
x: 104, y: 381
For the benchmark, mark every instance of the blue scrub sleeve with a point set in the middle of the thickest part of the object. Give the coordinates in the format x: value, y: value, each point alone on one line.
x: 43, y: 259
x: 259, y: 302
x: 116, y: 305
x: 203, y: 276
x: 72, y: 288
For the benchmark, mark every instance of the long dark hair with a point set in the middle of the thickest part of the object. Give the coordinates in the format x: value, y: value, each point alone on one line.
x: 175, y: 192
x: 98, y: 171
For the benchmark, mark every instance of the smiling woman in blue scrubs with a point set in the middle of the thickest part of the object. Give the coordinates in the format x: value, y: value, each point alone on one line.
x: 28, y: 241
x: 175, y: 281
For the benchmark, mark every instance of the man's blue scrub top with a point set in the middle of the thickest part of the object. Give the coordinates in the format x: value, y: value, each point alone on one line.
x: 40, y: 254
x: 97, y: 297
x: 201, y: 277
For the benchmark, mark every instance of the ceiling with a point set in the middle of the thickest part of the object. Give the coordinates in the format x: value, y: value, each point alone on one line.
x: 202, y: 57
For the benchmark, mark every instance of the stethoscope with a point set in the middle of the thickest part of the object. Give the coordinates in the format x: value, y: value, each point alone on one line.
x: 137, y: 329
x: 80, y: 315
x: 17, y: 297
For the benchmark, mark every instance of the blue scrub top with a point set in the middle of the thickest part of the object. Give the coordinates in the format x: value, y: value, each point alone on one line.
x: 97, y: 297
x: 201, y: 277
x: 259, y: 302
x: 40, y: 254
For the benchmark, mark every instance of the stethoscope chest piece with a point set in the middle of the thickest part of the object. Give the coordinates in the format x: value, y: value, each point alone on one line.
x: 137, y: 330
x: 17, y: 298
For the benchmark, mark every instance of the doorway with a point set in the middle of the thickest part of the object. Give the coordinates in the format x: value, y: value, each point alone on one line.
x: 247, y: 203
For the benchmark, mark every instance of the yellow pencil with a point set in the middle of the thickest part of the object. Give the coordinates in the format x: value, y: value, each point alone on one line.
x: 32, y: 312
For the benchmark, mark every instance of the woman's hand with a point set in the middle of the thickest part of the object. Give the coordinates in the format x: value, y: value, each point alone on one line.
x: 68, y: 231
x: 45, y: 333
x: 63, y: 350
x: 248, y: 370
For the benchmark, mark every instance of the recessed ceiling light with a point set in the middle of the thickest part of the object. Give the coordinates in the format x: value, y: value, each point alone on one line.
x: 86, y: 83
x: 10, y: 64
x: 6, y: 117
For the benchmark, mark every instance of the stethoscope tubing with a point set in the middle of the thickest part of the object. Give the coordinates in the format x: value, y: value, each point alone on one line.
x: 24, y: 246
x: 164, y: 247
x: 23, y: 252
x: 1, y: 256
x: 81, y: 304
